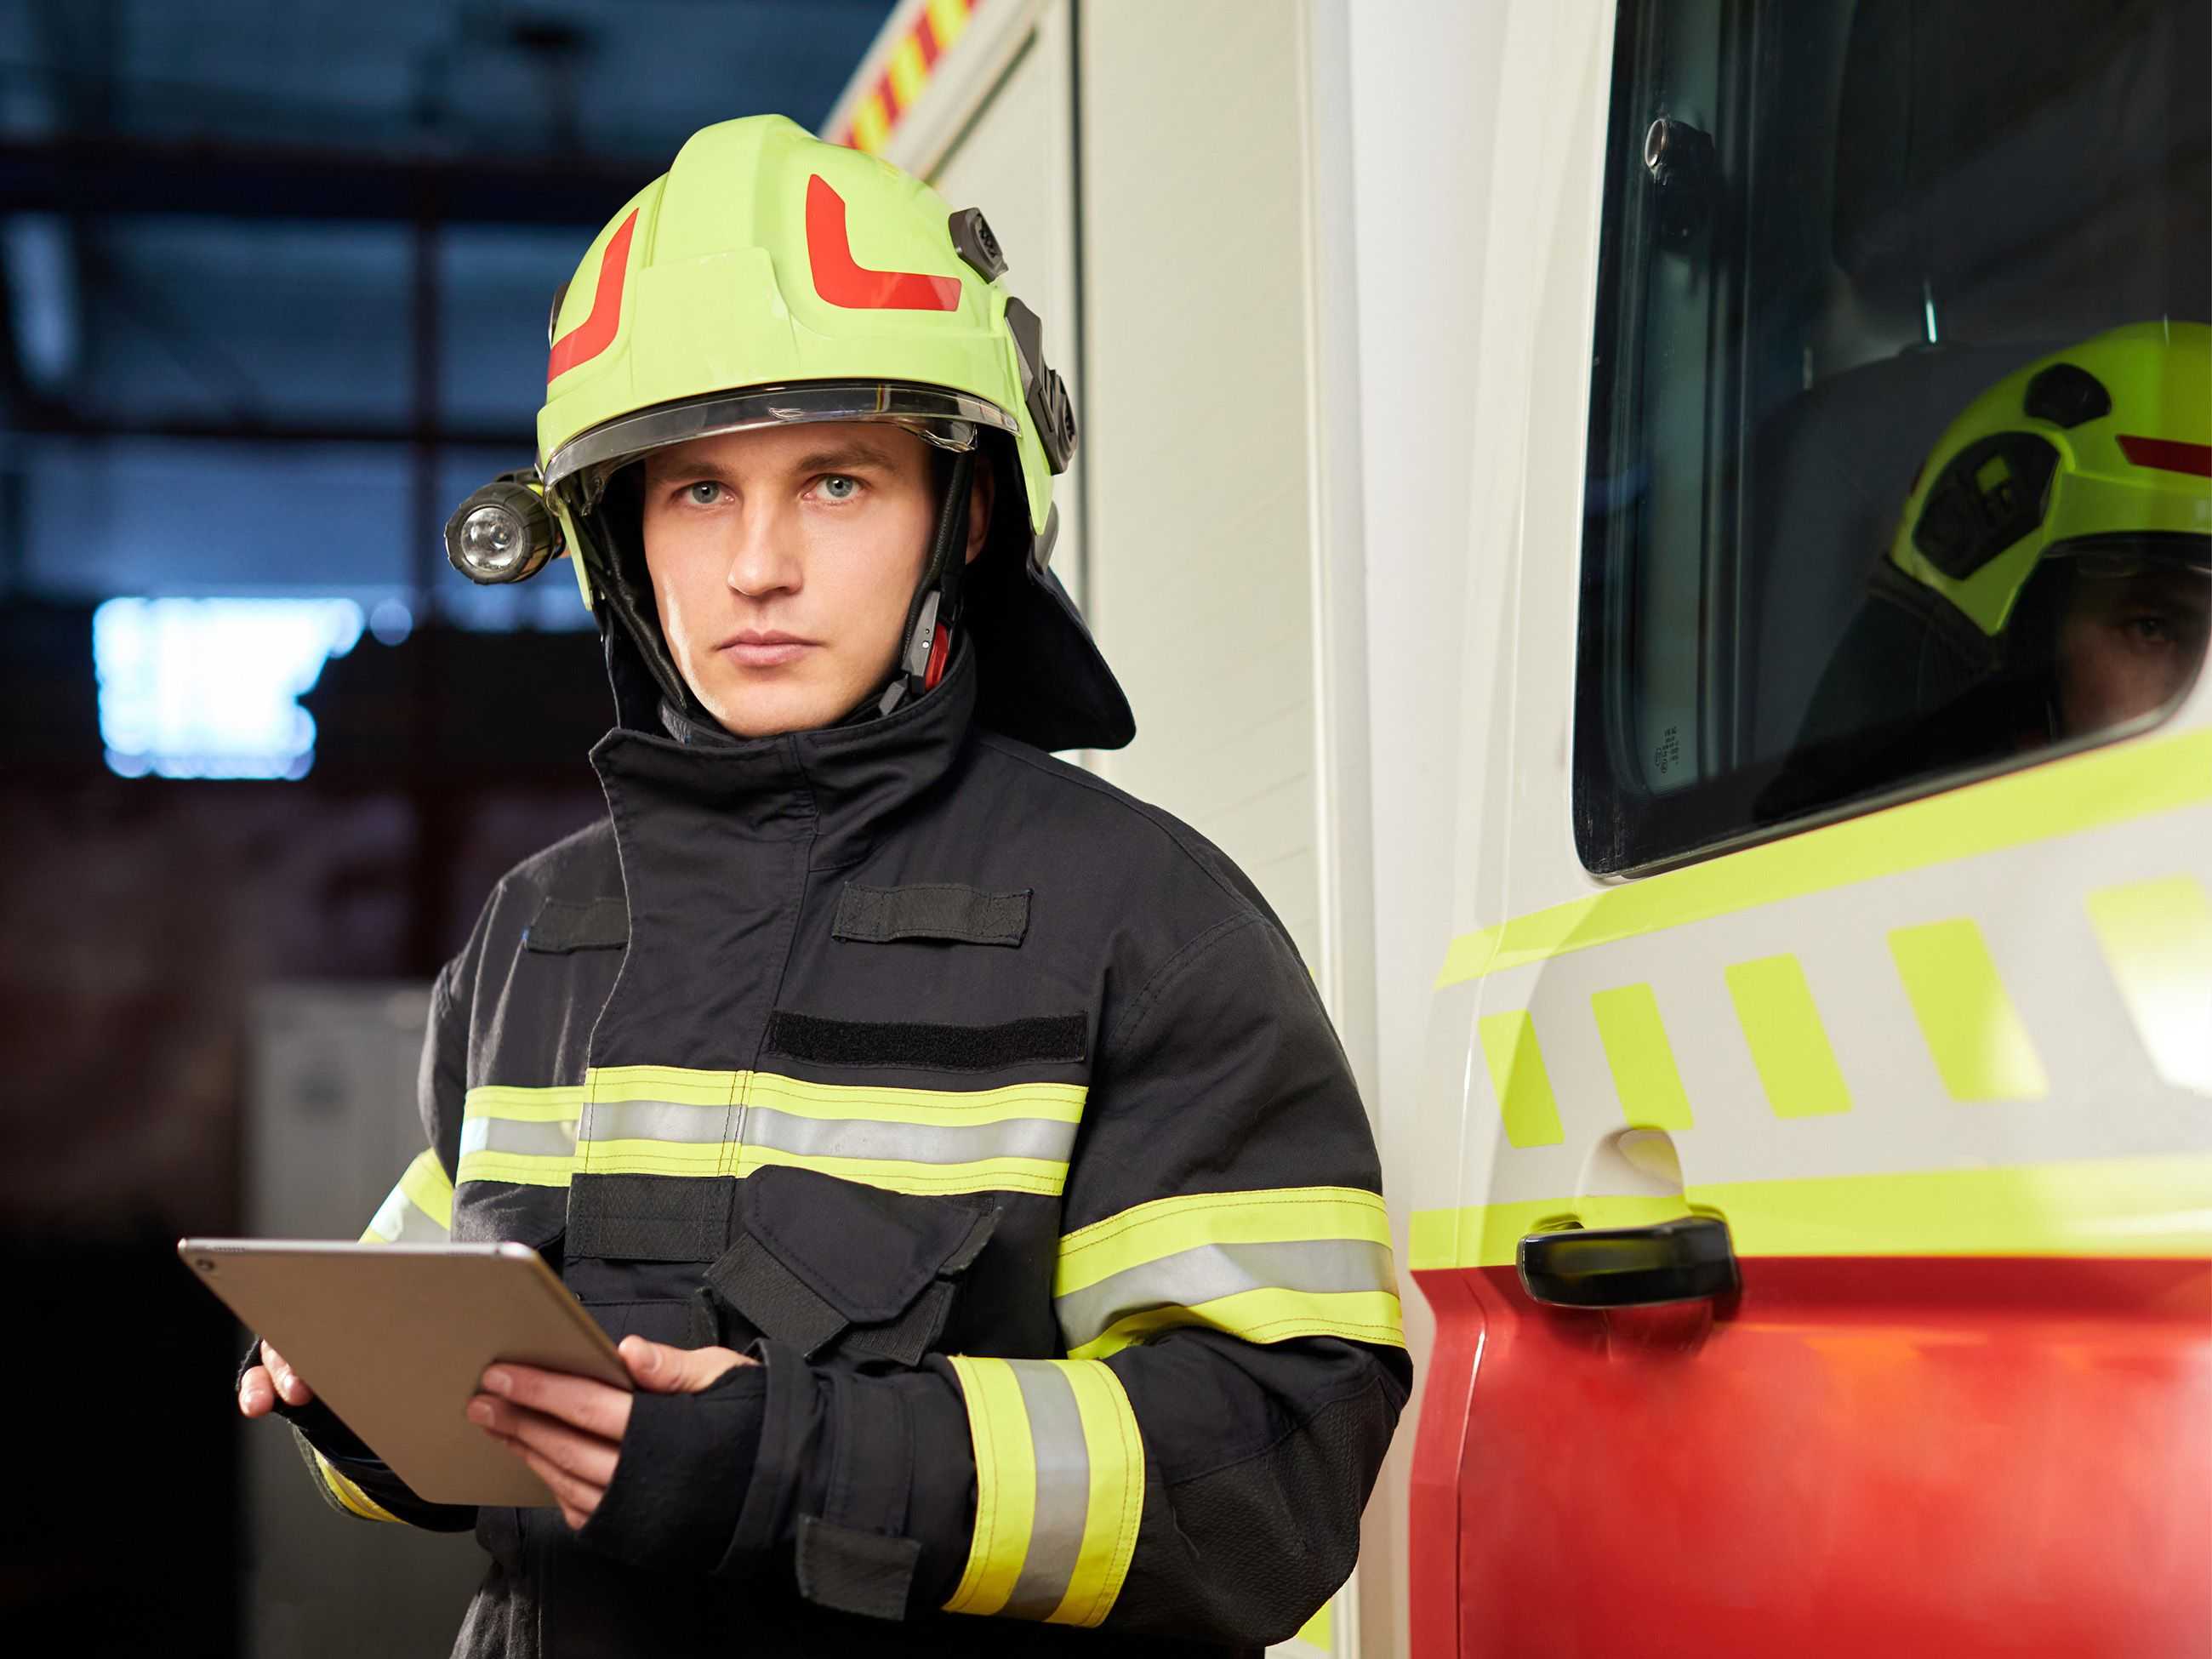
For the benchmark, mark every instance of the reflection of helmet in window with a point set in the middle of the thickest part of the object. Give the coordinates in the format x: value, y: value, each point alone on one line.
x: 2102, y: 454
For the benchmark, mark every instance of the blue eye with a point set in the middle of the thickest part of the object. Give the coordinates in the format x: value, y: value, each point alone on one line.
x: 705, y: 493
x: 839, y: 487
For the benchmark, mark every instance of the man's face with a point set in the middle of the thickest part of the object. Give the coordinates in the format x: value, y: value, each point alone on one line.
x: 2129, y: 644
x: 783, y: 561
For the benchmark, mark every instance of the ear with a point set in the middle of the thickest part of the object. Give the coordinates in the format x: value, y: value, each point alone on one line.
x: 980, y: 497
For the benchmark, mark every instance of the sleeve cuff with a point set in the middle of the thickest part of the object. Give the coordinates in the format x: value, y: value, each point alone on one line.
x: 686, y: 1463
x: 320, y: 1427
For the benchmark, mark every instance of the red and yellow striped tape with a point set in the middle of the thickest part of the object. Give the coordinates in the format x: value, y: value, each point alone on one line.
x: 937, y: 27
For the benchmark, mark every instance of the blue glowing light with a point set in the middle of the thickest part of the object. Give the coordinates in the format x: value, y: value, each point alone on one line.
x: 211, y: 688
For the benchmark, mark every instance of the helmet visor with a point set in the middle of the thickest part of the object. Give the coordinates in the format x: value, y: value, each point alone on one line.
x: 2118, y: 557
x: 949, y: 419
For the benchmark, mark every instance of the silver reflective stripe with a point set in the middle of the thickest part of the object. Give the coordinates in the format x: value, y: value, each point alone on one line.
x: 506, y: 1135
x: 1063, y: 1490
x: 914, y: 1143
x: 656, y: 1120
x: 1190, y: 1277
x: 402, y: 1221
x: 817, y: 1137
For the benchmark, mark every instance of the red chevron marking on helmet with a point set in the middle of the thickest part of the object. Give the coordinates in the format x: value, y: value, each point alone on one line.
x: 597, y: 331
x: 843, y: 281
x: 2168, y: 455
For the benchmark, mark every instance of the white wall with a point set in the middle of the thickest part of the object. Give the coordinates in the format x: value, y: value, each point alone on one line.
x: 1425, y: 74
x: 1199, y: 395
x: 1014, y: 157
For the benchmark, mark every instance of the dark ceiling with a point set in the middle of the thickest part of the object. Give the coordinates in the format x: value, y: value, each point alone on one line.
x: 275, y: 271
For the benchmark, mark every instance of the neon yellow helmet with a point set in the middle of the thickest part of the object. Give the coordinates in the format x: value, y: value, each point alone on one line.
x: 768, y: 278
x: 2102, y: 453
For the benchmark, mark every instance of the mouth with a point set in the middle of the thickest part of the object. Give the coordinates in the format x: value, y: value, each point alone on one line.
x: 757, y: 648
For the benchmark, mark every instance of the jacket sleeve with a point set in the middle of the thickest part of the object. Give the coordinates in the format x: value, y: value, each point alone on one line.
x: 1226, y: 1294
x: 1196, y: 1465
x: 351, y: 1477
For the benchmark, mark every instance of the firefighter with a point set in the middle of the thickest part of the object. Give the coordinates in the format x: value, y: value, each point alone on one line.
x: 2050, y: 579
x: 957, y: 1146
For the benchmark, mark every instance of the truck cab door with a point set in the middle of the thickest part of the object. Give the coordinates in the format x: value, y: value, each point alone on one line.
x: 1813, y: 1189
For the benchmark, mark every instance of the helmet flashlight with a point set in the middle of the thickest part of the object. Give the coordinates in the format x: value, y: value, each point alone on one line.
x: 503, y: 533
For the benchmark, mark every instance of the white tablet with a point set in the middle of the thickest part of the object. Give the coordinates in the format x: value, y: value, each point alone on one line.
x: 394, y: 1337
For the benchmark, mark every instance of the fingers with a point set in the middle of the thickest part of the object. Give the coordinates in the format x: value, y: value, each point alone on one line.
x: 587, y: 1457
x: 579, y: 1501
x: 272, y: 1380
x: 287, y: 1382
x: 591, y: 1407
x: 663, y: 1369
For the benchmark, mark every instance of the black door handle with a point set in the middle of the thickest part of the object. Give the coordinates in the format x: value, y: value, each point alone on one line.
x: 1682, y: 1260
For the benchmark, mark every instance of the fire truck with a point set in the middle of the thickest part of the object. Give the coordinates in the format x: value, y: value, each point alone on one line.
x: 1669, y: 536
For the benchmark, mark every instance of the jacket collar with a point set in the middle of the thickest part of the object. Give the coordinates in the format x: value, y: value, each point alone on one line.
x: 839, y: 785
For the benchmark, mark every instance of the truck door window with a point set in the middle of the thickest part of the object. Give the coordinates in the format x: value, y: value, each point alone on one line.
x: 1900, y: 442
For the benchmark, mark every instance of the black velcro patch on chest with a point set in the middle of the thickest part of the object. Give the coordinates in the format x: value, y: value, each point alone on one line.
x: 565, y: 924
x: 1048, y: 1040
x: 941, y: 911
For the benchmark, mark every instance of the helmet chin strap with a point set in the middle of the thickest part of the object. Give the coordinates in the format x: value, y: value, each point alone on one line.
x: 926, y: 641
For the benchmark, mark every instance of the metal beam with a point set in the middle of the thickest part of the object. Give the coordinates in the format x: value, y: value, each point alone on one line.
x: 79, y: 174
x: 53, y: 420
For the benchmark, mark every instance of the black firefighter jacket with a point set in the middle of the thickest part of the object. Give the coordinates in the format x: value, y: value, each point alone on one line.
x: 995, y: 1114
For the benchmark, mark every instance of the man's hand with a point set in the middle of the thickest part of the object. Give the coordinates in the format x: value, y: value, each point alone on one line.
x: 272, y: 1380
x: 568, y: 1429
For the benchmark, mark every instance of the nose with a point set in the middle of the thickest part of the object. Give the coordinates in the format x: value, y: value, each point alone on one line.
x: 764, y: 552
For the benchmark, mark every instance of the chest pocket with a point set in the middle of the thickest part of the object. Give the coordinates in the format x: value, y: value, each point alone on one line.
x: 839, y: 1269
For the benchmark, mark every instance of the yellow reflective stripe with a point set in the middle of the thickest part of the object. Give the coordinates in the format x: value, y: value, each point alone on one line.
x: 1061, y: 1102
x: 1268, y: 1314
x: 950, y: 1110
x: 1974, y: 1034
x: 1517, y: 1076
x: 356, y: 1501
x: 1644, y: 1074
x: 1788, y: 1045
x: 1147, y: 1232
x: 1116, y: 1453
x: 1012, y: 1175
x: 1005, y: 1484
x: 2122, y: 1206
x: 1058, y: 1493
x: 2157, y: 940
x: 684, y: 1086
x: 418, y: 1210
x: 694, y: 1160
x: 517, y: 1168
x: 428, y: 1189
x: 520, y: 1105
x: 2103, y: 787
x: 1265, y: 1265
x: 495, y: 1103
x: 669, y: 1158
